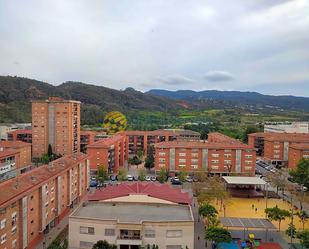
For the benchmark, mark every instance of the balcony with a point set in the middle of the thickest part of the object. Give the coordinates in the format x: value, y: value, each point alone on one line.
x: 129, y: 240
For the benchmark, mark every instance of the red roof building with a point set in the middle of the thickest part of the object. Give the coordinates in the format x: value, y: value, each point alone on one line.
x: 159, y: 191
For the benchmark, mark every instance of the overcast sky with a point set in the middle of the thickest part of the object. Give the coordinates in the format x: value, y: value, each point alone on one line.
x: 255, y: 45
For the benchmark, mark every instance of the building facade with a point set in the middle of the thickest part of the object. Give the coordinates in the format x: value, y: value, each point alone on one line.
x: 9, y: 161
x: 108, y: 152
x: 55, y: 122
x: 36, y: 201
x: 224, y: 157
x: 296, y: 153
x: 294, y: 127
x: 20, y: 135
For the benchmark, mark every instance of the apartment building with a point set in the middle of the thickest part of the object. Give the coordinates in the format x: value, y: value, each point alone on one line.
x: 134, y: 216
x: 36, y: 201
x: 257, y: 141
x: 141, y: 140
x: 9, y: 161
x: 5, y: 128
x: 296, y: 153
x: 56, y: 122
x: 89, y: 137
x: 108, y: 152
x: 24, y: 150
x: 212, y: 157
x: 20, y: 135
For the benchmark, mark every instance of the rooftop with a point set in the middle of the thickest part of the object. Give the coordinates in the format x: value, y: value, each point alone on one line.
x: 14, y: 144
x: 245, y: 180
x: 14, y: 189
x: 134, y: 212
x: 55, y: 100
x: 106, y: 142
x: 288, y: 137
x: 159, y: 191
x: 170, y: 132
x: 23, y: 131
x: 201, y: 145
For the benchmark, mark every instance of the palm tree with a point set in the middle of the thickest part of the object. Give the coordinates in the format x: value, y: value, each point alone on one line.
x: 277, y: 214
x: 303, y: 216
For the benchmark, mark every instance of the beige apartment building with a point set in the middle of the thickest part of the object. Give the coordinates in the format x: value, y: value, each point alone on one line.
x: 132, y: 216
x: 56, y: 122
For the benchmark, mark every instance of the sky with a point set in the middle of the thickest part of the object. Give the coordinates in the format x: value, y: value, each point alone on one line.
x: 256, y: 45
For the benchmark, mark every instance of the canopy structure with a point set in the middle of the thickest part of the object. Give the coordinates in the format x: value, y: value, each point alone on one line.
x: 247, y: 223
x: 244, y: 180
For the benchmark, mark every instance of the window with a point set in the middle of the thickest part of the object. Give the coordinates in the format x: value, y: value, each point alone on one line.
x: 248, y: 162
x: 3, y: 223
x: 161, y: 160
x: 215, y: 155
x: 276, y: 151
x: 109, y: 232
x: 248, y: 168
x: 215, y: 161
x: 14, y: 229
x: 86, y: 230
x: 215, y: 167
x: 182, y: 160
x: 227, y: 150
x: 227, y: 161
x: 150, y: 233
x: 173, y: 247
x: 227, y: 155
x: 194, y: 161
x: 14, y: 243
x: 173, y: 233
x: 161, y: 153
x: 182, y: 154
x: 85, y: 244
x: 248, y: 156
x: 3, y: 238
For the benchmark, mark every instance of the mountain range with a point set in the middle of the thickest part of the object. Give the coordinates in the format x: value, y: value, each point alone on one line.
x: 16, y: 94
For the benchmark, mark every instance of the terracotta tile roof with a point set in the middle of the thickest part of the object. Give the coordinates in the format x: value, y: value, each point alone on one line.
x: 20, y: 132
x: 300, y: 146
x: 106, y: 142
x: 5, y: 153
x: 171, y: 132
x: 16, y: 188
x: 160, y: 191
x: 201, y: 145
x: 14, y: 144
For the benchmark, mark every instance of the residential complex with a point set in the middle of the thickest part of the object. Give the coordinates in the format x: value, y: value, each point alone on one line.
x: 9, y: 159
x: 141, y: 140
x: 275, y: 146
x: 220, y: 154
x: 36, y: 201
x: 134, y: 215
x: 5, y: 129
x: 108, y: 152
x: 89, y: 137
x: 55, y: 122
x: 294, y: 127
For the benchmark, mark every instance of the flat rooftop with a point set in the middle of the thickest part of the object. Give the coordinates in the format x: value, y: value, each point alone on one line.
x: 244, y: 180
x: 134, y: 212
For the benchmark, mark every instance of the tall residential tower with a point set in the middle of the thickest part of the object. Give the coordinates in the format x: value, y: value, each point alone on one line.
x: 56, y: 122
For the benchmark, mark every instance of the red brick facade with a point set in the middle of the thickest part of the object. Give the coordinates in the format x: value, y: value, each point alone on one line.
x: 296, y: 153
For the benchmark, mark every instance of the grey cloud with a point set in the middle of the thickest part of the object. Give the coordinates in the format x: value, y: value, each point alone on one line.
x: 218, y: 76
x: 175, y: 79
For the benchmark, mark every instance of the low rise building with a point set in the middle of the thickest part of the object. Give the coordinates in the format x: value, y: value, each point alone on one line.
x: 24, y: 150
x: 108, y: 152
x: 20, y: 135
x: 228, y: 156
x: 89, y: 137
x: 287, y: 127
x: 134, y: 216
x: 9, y: 159
x: 296, y: 153
x: 36, y: 201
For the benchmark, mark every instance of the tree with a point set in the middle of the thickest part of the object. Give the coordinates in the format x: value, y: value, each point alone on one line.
x: 303, y: 216
x: 141, y: 175
x: 102, y: 174
x: 249, y: 129
x: 303, y: 238
x: 135, y: 160
x: 162, y: 177
x: 149, y: 162
x: 103, y: 244
x: 301, y: 173
x: 50, y: 151
x: 291, y: 230
x: 45, y: 159
x: 209, y: 212
x: 182, y: 175
x: 218, y: 234
x: 122, y: 174
x: 140, y: 154
x: 277, y: 214
x: 278, y: 179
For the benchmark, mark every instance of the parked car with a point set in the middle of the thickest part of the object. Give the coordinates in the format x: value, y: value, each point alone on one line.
x: 153, y: 178
x: 113, y: 178
x: 176, y: 181
x: 93, y: 178
x: 130, y: 178
x: 135, y: 178
x: 189, y: 179
x: 93, y: 183
x: 147, y: 178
